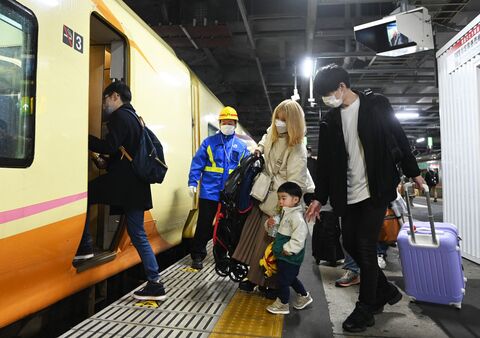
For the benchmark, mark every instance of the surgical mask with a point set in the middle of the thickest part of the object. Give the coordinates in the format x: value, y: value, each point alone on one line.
x: 332, y: 101
x: 227, y: 129
x: 107, y: 112
x: 281, y: 126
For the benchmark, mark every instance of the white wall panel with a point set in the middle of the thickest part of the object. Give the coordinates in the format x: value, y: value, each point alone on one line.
x: 460, y: 133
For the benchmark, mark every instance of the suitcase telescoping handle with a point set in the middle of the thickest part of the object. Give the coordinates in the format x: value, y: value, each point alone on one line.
x: 429, y: 208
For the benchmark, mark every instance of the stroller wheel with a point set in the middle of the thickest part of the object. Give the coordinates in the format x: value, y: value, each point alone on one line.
x: 238, y: 271
x: 222, y: 267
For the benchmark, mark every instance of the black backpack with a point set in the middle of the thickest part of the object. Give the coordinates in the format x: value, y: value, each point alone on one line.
x: 236, y: 192
x: 149, y: 162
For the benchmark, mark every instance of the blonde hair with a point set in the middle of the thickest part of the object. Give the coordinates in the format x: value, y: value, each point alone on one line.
x: 295, y: 119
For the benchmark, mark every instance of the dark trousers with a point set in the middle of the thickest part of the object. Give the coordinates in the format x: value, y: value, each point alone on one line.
x: 204, y: 231
x: 360, y: 229
x: 287, y: 277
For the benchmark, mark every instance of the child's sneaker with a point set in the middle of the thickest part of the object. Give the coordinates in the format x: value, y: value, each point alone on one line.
x: 278, y: 308
x: 302, y: 301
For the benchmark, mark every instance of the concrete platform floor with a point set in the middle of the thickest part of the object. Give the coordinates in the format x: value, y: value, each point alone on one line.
x: 405, y: 319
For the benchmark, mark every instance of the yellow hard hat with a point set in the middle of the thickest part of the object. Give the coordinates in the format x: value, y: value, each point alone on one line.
x: 228, y: 113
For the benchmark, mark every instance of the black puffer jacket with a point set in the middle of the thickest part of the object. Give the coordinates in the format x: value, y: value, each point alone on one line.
x: 379, y: 131
x: 120, y: 186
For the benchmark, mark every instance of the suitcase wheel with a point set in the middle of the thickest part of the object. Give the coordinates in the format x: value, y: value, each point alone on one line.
x: 458, y: 306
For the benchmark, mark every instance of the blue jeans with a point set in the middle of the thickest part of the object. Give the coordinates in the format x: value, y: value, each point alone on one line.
x: 350, y: 264
x: 382, y: 249
x: 287, y: 276
x: 137, y: 234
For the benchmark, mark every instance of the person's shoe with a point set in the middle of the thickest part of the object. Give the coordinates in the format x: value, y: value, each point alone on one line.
x: 278, y: 308
x: 302, y: 301
x: 269, y: 293
x: 83, y: 254
x: 382, y: 263
x: 151, y: 291
x: 392, y: 298
x: 197, y: 264
x: 246, y: 286
x: 349, y: 278
x: 435, y: 200
x: 359, y: 319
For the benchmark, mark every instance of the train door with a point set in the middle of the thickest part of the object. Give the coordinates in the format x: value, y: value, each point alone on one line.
x: 107, y: 64
x: 190, y: 224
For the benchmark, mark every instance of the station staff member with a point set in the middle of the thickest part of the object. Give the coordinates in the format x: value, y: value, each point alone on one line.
x: 216, y: 158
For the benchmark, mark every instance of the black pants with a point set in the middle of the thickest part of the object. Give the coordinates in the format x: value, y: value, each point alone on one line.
x: 204, y: 231
x: 287, y: 277
x: 360, y: 229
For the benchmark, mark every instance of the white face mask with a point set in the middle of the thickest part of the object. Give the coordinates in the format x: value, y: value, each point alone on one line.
x: 227, y: 129
x: 332, y: 101
x: 281, y: 126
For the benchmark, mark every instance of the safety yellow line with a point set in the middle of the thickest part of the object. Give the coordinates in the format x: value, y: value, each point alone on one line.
x: 246, y: 316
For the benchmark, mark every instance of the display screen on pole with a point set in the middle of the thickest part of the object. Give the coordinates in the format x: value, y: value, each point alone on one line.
x: 383, y: 37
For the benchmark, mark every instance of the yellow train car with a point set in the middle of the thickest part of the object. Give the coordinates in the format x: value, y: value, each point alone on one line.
x: 56, y: 56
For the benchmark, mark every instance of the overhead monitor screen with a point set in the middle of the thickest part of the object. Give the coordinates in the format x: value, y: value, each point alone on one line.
x: 383, y: 37
x: 395, y: 38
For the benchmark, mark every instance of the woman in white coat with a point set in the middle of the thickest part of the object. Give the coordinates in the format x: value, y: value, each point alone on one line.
x: 285, y: 160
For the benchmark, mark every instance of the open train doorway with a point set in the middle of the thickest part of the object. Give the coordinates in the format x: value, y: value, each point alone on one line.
x: 107, y: 64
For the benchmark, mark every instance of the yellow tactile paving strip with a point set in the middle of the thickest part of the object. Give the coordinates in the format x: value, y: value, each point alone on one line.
x: 245, y: 316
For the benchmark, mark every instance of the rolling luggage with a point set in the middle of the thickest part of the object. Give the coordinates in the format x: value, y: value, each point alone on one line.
x: 326, y: 238
x: 390, y: 228
x: 431, y: 260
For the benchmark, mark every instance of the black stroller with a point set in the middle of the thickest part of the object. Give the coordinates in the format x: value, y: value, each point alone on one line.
x: 233, y: 209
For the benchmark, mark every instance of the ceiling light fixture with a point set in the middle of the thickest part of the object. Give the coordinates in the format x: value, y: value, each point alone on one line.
x: 421, y: 139
x: 406, y: 116
x: 307, y: 67
x: 295, y: 96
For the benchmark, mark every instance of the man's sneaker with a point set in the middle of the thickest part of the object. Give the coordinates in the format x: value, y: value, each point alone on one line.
x: 382, y: 263
x: 278, y: 308
x: 349, y: 278
x: 246, y: 286
x: 83, y: 254
x: 151, y: 291
x: 197, y: 264
x: 302, y: 301
x: 359, y: 319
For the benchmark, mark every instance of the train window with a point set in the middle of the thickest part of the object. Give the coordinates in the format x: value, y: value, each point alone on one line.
x: 18, y: 46
x: 212, y: 130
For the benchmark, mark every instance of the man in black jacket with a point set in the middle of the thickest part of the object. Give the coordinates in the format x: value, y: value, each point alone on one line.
x: 360, y: 144
x: 120, y: 187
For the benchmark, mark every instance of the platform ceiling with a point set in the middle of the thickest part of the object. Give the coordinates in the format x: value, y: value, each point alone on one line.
x: 246, y: 52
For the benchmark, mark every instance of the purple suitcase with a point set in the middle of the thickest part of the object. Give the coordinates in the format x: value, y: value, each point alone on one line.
x: 431, y: 264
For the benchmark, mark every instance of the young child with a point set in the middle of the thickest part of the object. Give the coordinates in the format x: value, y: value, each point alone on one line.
x: 289, y: 249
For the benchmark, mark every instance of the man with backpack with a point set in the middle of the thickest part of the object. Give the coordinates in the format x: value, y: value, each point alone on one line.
x: 431, y: 177
x: 360, y: 144
x: 121, y: 186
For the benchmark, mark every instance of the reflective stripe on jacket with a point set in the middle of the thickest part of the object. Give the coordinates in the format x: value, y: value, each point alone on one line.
x: 210, y: 163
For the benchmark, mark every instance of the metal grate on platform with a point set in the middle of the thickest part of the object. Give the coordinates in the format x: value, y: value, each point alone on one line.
x: 195, y: 301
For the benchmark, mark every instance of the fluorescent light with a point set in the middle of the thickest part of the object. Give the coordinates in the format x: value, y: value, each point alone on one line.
x: 406, y: 116
x: 295, y: 96
x: 307, y: 67
x: 421, y: 139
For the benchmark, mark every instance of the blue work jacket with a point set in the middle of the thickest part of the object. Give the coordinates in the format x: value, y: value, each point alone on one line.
x: 216, y: 158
